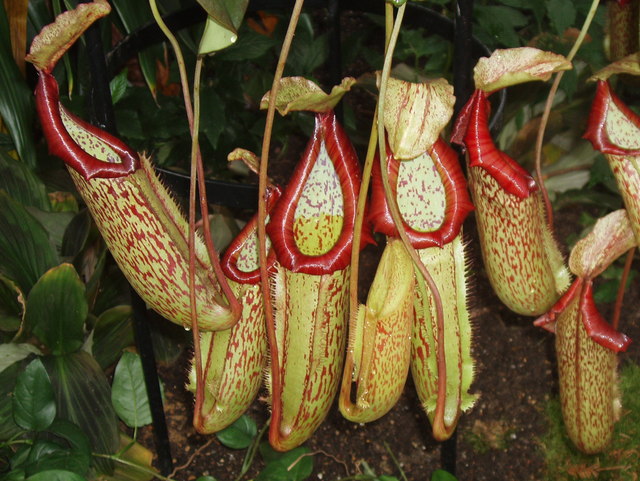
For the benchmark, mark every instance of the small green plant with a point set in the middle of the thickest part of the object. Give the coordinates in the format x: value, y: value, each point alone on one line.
x: 621, y: 461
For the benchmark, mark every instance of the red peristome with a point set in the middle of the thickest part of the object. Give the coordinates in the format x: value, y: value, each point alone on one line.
x: 597, y: 124
x: 458, y: 202
x: 548, y: 320
x: 472, y: 130
x: 62, y: 145
x: 280, y: 228
x: 597, y: 328
x: 230, y: 258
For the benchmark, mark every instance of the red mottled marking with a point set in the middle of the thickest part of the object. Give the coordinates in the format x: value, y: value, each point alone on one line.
x: 472, y: 130
x: 511, y: 239
x: 586, y: 372
x: 458, y: 203
x: 597, y: 132
x: 230, y: 388
x: 245, y: 246
x: 311, y: 322
x: 280, y: 228
x: 154, y: 262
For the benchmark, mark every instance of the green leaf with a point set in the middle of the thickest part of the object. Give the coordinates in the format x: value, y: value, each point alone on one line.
x: 83, y: 396
x: 118, y: 85
x: 498, y: 24
x: 8, y: 427
x: 55, y: 223
x: 442, y: 475
x: 34, y: 407
x: 19, y: 181
x: 112, y: 333
x: 206, y: 478
x: 562, y: 14
x: 76, y: 234
x: 215, y: 37
x: 250, y: 46
x: 129, y: 392
x: 26, y: 249
x: 133, y: 16
x: 290, y: 466
x: 240, y: 434
x: 16, y: 101
x: 64, y: 446
x: 227, y: 13
x: 57, y: 308
x: 11, y: 306
x: 56, y: 475
x: 213, y: 122
x: 11, y: 353
x: 16, y: 474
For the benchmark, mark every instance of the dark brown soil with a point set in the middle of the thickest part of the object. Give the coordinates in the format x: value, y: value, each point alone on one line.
x: 498, y: 439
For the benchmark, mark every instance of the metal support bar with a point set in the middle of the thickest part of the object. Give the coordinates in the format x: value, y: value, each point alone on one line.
x: 103, y: 116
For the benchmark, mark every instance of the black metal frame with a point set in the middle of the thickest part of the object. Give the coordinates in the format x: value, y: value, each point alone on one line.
x: 242, y: 196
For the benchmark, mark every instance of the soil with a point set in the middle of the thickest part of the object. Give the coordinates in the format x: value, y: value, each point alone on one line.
x: 499, y: 438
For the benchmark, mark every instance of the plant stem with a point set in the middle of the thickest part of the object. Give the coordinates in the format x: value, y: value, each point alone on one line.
x: 197, y: 354
x: 547, y: 111
x: 355, y: 250
x: 251, y: 452
x: 234, y: 305
x: 397, y: 219
x: 262, y: 206
x: 615, y: 322
x: 144, y: 469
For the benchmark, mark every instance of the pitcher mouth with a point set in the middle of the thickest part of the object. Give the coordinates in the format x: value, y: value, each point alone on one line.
x: 72, y: 139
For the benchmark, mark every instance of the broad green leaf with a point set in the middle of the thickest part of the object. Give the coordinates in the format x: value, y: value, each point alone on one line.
x: 562, y: 14
x: 26, y: 249
x: 34, y: 407
x: 250, y: 46
x: 498, y: 24
x: 8, y: 427
x: 213, y: 122
x: 294, y: 465
x: 83, y: 396
x: 64, y: 447
x: 133, y: 16
x: 112, y: 333
x: 56, y: 475
x: 54, y: 222
x: 16, y: 99
x: 129, y: 392
x: 206, y: 478
x: 11, y: 305
x: 76, y: 234
x: 11, y: 353
x: 227, y: 13
x: 240, y: 434
x: 306, y: 56
x: 215, y: 37
x: 442, y: 475
x: 118, y: 85
x: 57, y: 308
x: 48, y: 455
x: 19, y: 181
